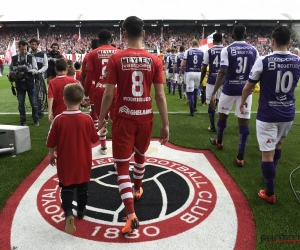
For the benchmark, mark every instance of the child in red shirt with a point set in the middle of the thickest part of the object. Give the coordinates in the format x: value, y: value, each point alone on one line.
x: 71, y: 152
x: 56, y: 103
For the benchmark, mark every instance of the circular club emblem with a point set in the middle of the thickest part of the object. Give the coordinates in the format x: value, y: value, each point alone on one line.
x: 176, y: 198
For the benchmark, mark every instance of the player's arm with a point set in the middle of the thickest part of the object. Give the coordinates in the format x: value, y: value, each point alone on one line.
x: 174, y: 67
x: 203, y: 73
x: 255, y: 74
x: 106, y: 102
x: 247, y: 90
x: 182, y: 66
x: 220, y: 79
x: 161, y: 104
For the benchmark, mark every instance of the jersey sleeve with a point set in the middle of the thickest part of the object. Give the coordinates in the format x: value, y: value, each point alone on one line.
x: 185, y: 55
x: 206, y: 58
x: 256, y: 71
x: 224, y: 63
x: 51, y: 138
x: 159, y: 74
x: 89, y: 66
x: 50, y: 90
x: 111, y: 71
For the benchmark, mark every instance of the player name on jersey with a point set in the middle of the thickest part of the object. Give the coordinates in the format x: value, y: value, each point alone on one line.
x: 105, y: 53
x: 136, y: 63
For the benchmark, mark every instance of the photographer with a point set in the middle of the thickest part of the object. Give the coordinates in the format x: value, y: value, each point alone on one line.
x: 42, y: 64
x: 22, y: 69
x: 53, y: 55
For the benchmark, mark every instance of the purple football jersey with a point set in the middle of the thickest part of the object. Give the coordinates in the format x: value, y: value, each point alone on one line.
x: 194, y: 59
x: 171, y: 61
x: 238, y: 58
x: 178, y: 60
x: 212, y: 58
x: 278, y: 74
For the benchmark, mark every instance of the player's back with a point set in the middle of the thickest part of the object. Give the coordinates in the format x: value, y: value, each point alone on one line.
x: 214, y: 58
x: 280, y: 75
x: 99, y: 59
x: 178, y: 61
x: 171, y: 61
x: 194, y: 59
x: 241, y: 57
x: 134, y: 71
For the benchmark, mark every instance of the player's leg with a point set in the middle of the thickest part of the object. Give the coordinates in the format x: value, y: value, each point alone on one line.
x: 67, y: 196
x: 266, y: 134
x: 142, y: 142
x: 284, y: 128
x: 197, y: 91
x: 224, y: 108
x: 211, y: 112
x: 203, y: 96
x: 243, y: 120
x: 92, y: 110
x: 179, y: 81
x: 124, y: 134
x: 190, y: 91
x: 97, y: 102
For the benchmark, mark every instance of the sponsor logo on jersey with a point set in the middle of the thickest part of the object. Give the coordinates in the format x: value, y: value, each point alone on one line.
x: 136, y: 63
x: 126, y: 110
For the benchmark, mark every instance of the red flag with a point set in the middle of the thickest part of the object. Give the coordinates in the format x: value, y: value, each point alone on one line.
x: 207, y: 43
x: 8, y: 54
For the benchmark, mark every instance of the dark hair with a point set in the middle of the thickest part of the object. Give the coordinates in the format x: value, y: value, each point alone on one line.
x: 34, y: 40
x: 71, y: 71
x: 95, y: 44
x: 23, y: 43
x: 133, y: 26
x: 217, y: 37
x: 239, y: 32
x: 61, y: 65
x: 281, y: 35
x: 70, y: 63
x: 73, y: 93
x: 54, y: 44
x: 181, y: 48
x: 77, y: 65
x: 104, y: 36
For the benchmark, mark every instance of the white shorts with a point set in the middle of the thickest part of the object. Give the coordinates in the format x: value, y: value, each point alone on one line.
x: 192, y: 81
x: 226, y: 102
x: 208, y: 91
x: 269, y: 134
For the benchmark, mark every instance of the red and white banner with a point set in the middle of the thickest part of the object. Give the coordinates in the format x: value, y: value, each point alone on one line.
x: 207, y: 43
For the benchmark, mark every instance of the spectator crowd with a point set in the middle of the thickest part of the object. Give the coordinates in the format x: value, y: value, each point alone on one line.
x: 71, y: 41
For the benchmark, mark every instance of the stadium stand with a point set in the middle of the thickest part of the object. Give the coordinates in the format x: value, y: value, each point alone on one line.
x: 171, y: 36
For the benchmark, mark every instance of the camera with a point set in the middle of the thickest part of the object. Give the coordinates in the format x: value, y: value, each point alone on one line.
x: 19, y: 74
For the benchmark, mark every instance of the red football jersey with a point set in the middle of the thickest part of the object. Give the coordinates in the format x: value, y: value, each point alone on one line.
x: 84, y: 62
x: 73, y: 133
x: 134, y: 71
x: 97, y: 62
x: 56, y: 91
